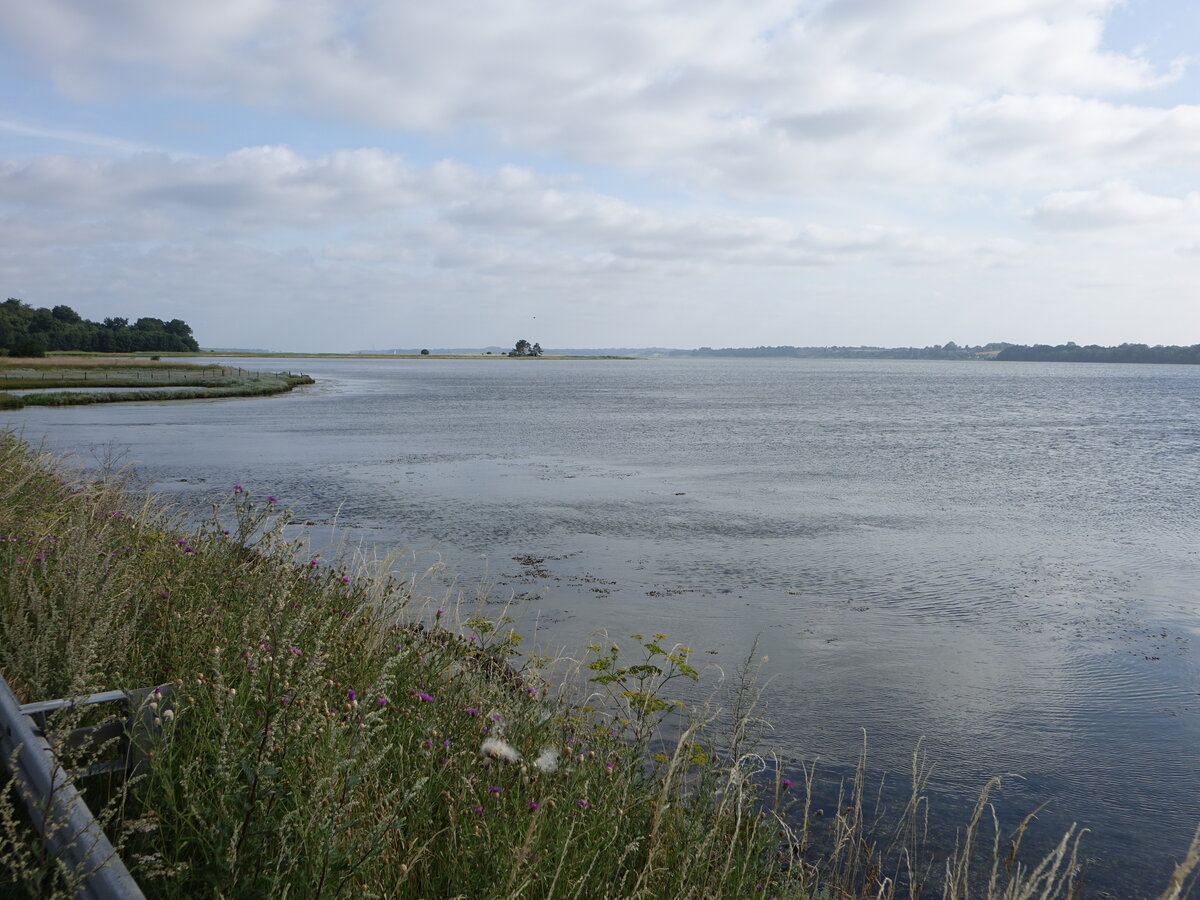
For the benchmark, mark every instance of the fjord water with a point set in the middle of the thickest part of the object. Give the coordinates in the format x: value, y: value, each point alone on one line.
x: 999, y: 559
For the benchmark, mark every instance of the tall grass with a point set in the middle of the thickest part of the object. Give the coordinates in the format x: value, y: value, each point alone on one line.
x: 338, y: 730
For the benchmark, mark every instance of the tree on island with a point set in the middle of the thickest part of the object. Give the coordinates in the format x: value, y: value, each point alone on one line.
x: 524, y: 348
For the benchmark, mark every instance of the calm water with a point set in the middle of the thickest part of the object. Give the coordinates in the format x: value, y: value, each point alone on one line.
x: 1000, y: 559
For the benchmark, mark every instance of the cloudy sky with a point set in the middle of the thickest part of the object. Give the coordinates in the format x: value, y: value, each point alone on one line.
x: 344, y: 174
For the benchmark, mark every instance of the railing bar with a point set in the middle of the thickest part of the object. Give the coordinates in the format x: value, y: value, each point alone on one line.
x: 43, y: 706
x: 59, y: 811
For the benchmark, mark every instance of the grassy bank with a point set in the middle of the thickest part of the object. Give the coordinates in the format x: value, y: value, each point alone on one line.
x: 328, y: 735
x: 69, y: 380
x: 341, y: 731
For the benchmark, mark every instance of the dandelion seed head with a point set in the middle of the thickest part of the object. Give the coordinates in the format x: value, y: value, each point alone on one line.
x: 495, y: 748
x: 547, y: 762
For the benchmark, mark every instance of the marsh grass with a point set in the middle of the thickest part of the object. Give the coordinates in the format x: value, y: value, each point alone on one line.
x: 336, y: 731
x: 58, y: 381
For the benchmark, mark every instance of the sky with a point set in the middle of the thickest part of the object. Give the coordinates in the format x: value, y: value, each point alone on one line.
x: 339, y: 175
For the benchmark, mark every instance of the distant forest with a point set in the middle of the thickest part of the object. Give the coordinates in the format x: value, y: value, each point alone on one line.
x: 1125, y: 353
x: 1069, y: 352
x: 25, y: 331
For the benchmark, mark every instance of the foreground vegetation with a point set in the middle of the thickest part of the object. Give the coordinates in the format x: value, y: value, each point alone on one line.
x: 331, y: 731
x: 67, y: 380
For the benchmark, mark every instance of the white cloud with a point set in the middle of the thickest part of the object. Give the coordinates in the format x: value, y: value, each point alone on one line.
x: 1112, y: 205
x: 269, y: 192
x: 1037, y: 140
x: 750, y: 95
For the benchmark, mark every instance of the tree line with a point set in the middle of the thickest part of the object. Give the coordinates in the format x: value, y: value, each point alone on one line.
x: 26, y: 331
x: 1069, y: 352
x: 1123, y: 353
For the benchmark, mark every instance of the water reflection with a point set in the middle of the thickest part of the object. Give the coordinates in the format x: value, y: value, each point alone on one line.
x: 996, y: 558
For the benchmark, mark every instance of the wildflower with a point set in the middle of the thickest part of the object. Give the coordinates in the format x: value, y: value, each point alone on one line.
x: 471, y: 711
x: 381, y: 701
x: 314, y: 562
x: 583, y: 804
x: 548, y: 761
x: 494, y: 789
x: 439, y: 613
x: 272, y: 500
x: 422, y: 696
x: 352, y: 695
x: 786, y: 783
x: 534, y: 806
x: 297, y: 651
x: 478, y: 810
x: 345, y: 579
x: 497, y: 749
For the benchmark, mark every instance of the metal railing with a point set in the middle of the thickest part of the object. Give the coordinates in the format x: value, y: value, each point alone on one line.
x: 55, y: 806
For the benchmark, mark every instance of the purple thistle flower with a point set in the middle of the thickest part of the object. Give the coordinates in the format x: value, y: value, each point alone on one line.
x: 421, y: 695
x: 238, y: 489
x: 272, y: 500
x: 583, y: 804
x: 786, y: 782
x: 495, y: 789
x: 345, y: 579
x: 534, y: 806
x: 352, y: 695
x: 471, y: 711
x: 478, y: 810
x: 381, y: 701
